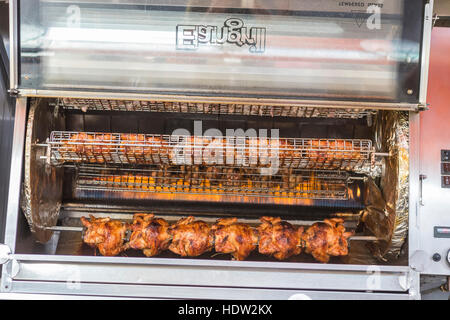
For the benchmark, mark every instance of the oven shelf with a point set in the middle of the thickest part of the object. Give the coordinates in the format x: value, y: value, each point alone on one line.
x: 216, y: 181
x: 145, y: 149
x: 217, y: 109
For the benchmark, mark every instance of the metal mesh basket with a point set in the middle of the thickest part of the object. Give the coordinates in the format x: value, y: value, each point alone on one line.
x: 217, y: 181
x: 206, y: 108
x: 146, y: 149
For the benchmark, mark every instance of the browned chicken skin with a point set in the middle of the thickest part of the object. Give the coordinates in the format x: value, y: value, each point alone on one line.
x: 325, y: 239
x: 149, y: 234
x: 139, y: 148
x: 191, y: 238
x: 236, y: 238
x: 105, y: 234
x: 279, y: 238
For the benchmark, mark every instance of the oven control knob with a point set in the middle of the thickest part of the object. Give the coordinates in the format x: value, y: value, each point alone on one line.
x: 436, y: 257
x: 448, y: 256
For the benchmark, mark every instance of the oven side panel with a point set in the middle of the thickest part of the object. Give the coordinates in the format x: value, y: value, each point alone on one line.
x: 15, y: 178
x: 6, y: 121
x: 434, y: 207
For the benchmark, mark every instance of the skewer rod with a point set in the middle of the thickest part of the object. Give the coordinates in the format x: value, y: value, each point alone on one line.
x: 363, y: 238
x: 382, y: 154
x: 80, y: 229
x: 63, y: 228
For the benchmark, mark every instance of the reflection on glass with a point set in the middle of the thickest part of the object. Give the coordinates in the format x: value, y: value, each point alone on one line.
x: 258, y: 48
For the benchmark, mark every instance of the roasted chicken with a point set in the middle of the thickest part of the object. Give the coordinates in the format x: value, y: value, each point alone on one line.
x: 279, y: 238
x: 188, y: 237
x: 325, y: 239
x: 150, y: 149
x: 191, y: 238
x: 105, y: 234
x: 149, y: 234
x: 236, y: 238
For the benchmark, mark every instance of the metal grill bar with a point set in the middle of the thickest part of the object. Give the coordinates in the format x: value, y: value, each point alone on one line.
x: 205, y: 108
x: 299, y: 153
x: 289, y: 183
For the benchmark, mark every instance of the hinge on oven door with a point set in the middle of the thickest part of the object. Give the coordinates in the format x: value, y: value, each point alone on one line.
x: 435, y: 18
x: 5, y: 253
x: 10, y: 267
x: 423, y: 107
x: 13, y: 92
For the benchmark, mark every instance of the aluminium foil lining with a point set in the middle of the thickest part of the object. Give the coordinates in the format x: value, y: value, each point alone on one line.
x: 42, y: 186
x: 387, y: 212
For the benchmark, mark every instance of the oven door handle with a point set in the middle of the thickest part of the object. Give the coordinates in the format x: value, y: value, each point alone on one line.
x: 421, y: 178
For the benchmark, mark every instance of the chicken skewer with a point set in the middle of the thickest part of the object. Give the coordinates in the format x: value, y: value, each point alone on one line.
x: 106, y: 234
x: 82, y: 229
x: 98, y: 147
x: 239, y: 239
x: 278, y: 238
x: 151, y: 235
x: 325, y: 239
x: 192, y: 238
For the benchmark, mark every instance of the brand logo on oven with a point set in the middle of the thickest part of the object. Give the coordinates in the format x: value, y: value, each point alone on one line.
x: 190, y: 37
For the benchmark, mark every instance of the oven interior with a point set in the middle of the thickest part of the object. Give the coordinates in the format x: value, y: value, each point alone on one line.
x: 58, y: 189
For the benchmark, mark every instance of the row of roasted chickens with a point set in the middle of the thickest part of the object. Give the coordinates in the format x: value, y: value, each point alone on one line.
x: 142, y: 145
x: 190, y: 237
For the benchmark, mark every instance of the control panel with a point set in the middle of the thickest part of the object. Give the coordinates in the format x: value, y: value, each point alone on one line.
x: 445, y: 155
x: 442, y: 232
x: 433, y: 200
x: 445, y: 168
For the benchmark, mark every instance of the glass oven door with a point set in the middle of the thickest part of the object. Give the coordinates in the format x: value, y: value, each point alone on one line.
x: 287, y: 50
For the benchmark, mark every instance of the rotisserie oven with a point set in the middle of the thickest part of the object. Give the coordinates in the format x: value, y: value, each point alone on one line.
x: 215, y: 149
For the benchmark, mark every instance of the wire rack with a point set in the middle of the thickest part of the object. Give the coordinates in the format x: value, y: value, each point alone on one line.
x: 145, y: 149
x: 225, y: 109
x: 192, y: 180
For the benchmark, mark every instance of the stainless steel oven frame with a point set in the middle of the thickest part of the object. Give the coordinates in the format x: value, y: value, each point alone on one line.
x: 187, y: 278
x: 85, y: 276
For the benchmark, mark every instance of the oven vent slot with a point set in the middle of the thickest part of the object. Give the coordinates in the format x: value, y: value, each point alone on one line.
x: 145, y: 149
x: 216, y: 109
x: 225, y: 184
